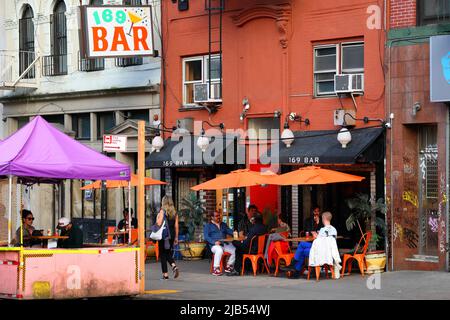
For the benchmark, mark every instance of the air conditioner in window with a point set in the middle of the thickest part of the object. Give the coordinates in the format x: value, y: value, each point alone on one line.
x: 201, y: 93
x: 349, y: 83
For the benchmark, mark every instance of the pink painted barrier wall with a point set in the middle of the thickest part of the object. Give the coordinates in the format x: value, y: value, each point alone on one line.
x: 67, y: 274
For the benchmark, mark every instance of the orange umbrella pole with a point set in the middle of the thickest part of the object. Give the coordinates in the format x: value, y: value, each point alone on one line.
x: 129, y: 212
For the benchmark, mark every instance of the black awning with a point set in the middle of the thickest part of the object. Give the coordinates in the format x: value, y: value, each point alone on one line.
x: 184, y: 152
x: 322, y: 147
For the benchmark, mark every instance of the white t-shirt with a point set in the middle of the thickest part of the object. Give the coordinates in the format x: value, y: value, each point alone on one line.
x: 328, y: 231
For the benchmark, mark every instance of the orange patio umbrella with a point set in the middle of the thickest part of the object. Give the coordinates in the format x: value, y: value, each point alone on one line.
x: 237, y: 179
x: 315, y: 175
x: 122, y: 183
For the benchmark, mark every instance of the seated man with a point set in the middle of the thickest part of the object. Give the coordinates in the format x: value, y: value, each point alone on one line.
x: 74, y: 233
x: 245, y: 223
x: 324, y: 249
x: 313, y: 223
x: 243, y: 247
x: 305, y: 247
x: 213, y: 232
x: 123, y: 224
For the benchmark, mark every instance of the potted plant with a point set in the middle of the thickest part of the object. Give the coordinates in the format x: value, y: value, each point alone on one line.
x: 193, y: 216
x: 364, y: 210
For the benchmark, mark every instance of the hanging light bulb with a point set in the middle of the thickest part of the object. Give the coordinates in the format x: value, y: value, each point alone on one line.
x: 157, y: 142
x: 344, y: 137
x: 287, y: 136
x: 203, y: 141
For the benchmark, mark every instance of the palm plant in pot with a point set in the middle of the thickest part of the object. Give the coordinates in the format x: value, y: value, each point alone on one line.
x: 193, y: 216
x: 364, y: 215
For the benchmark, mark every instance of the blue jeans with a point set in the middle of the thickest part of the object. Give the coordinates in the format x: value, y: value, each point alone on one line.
x: 301, y: 253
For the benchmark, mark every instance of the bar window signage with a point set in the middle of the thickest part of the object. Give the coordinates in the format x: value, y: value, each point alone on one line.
x: 440, y: 68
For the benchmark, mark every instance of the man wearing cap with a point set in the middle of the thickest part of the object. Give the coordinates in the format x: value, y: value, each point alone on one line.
x: 74, y: 233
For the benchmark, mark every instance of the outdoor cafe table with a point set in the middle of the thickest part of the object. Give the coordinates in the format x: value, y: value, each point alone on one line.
x: 232, y: 239
x: 46, y: 238
x: 306, y: 239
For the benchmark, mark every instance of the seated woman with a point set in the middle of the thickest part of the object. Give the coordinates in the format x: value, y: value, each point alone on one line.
x: 28, y: 229
x: 282, y: 226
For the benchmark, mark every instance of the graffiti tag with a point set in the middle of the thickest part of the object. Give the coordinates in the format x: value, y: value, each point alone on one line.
x: 411, y: 197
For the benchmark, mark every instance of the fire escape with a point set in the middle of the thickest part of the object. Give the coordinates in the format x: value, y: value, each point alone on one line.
x: 215, y: 10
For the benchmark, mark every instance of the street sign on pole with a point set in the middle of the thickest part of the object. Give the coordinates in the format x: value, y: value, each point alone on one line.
x: 114, y: 143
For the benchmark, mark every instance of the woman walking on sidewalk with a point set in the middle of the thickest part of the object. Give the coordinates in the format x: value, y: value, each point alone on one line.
x: 170, y: 236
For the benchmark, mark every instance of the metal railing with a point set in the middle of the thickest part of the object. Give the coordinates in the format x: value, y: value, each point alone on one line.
x: 127, y: 62
x: 7, y: 61
x: 54, y: 65
x: 26, y: 58
x: 90, y: 64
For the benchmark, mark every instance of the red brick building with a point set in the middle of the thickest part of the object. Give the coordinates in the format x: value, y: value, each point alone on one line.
x: 418, y: 143
x: 278, y: 58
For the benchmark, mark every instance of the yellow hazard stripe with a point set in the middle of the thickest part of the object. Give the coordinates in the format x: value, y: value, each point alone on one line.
x: 160, y: 291
x: 79, y: 251
x: 68, y: 251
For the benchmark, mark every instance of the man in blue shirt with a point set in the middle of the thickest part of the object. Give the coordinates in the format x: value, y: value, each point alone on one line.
x: 214, y: 232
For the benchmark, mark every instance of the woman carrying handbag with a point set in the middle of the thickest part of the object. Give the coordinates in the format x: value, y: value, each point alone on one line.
x: 168, y: 215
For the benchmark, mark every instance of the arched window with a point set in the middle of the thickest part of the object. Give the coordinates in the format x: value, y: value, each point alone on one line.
x: 92, y: 64
x: 56, y: 64
x: 26, y: 42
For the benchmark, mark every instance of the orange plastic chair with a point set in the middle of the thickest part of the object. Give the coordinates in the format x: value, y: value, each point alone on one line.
x: 286, y: 257
x: 225, y: 256
x: 149, y: 243
x: 110, y: 237
x: 359, y: 255
x: 318, y: 268
x: 134, y: 236
x: 254, y: 258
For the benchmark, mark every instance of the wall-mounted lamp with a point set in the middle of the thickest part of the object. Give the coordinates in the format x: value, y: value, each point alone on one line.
x: 293, y: 116
x: 203, y: 141
x: 416, y: 107
x: 246, y: 107
x: 287, y: 136
x: 344, y: 136
x: 158, y: 141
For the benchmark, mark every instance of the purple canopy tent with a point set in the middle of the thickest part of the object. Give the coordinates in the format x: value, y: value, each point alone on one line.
x: 39, y: 152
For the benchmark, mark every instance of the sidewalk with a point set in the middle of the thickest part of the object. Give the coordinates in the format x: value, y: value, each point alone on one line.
x: 196, y: 283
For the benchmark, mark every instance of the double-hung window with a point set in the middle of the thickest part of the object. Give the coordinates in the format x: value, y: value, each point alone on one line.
x: 333, y: 59
x: 433, y: 12
x: 196, y: 71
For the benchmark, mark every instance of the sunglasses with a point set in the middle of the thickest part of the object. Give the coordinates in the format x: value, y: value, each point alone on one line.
x: 30, y: 219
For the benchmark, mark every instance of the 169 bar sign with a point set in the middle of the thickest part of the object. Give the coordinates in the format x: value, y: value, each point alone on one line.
x: 117, y: 31
x: 305, y: 160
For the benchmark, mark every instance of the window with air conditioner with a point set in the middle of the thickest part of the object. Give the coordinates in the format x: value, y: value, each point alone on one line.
x: 334, y: 59
x: 196, y: 84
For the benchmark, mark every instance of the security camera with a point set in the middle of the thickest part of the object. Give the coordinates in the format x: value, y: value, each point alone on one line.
x: 292, y: 116
x: 246, y: 104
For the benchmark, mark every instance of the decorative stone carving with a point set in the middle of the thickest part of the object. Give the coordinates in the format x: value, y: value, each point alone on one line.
x: 281, y: 13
